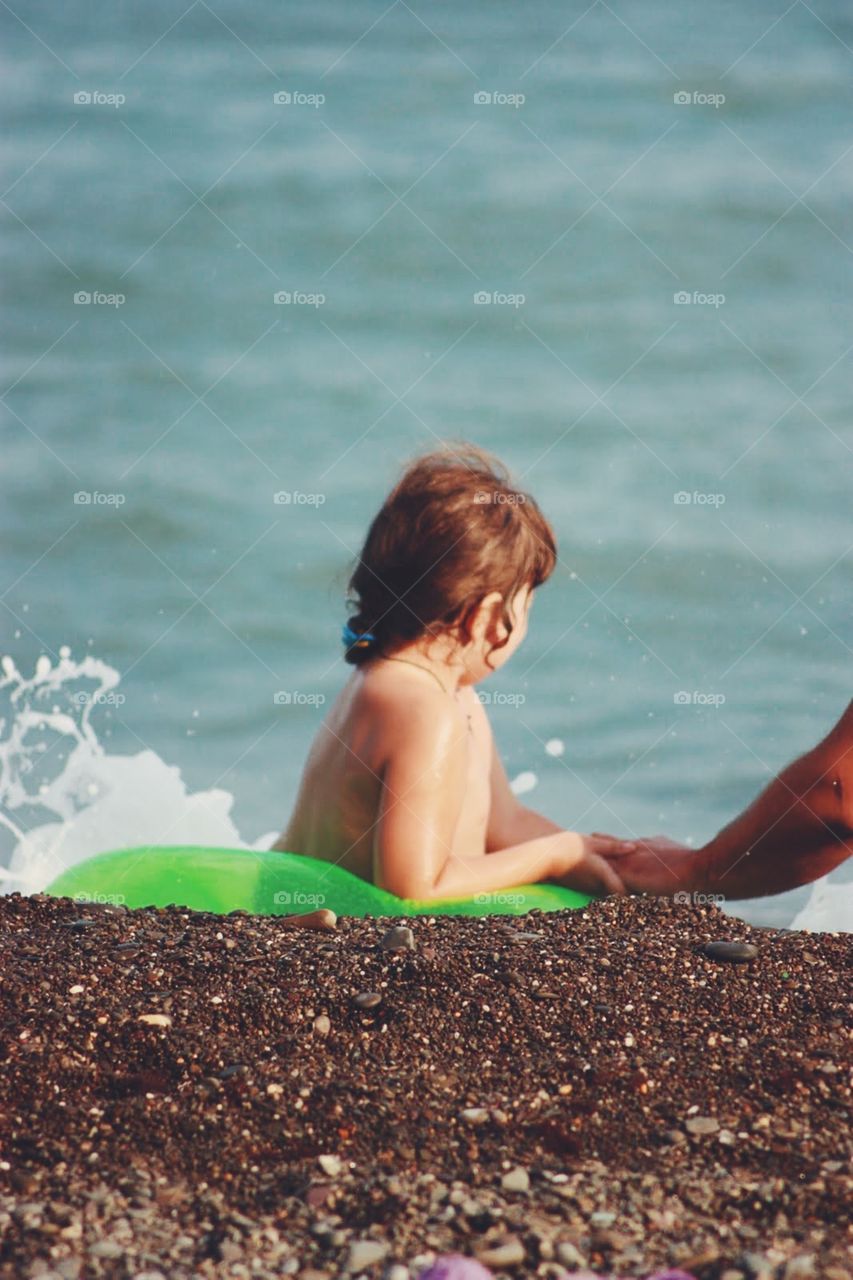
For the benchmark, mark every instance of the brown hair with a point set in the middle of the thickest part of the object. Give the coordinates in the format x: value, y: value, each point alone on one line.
x: 452, y: 530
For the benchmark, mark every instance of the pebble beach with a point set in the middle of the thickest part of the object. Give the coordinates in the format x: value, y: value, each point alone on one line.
x: 611, y: 1090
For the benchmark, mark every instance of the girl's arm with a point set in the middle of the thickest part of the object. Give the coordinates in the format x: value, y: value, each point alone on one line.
x: 511, y: 822
x: 423, y: 795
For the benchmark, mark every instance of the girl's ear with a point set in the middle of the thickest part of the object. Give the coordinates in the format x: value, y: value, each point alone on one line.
x: 486, y: 619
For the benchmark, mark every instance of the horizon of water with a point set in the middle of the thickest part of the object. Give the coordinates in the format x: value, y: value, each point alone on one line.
x: 693, y: 456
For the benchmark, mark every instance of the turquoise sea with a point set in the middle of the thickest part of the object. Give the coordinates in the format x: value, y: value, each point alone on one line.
x: 611, y: 242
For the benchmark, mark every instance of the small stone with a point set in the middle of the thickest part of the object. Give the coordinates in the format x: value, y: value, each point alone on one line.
x: 516, y: 1180
x: 397, y: 1272
x: 733, y: 952
x: 77, y: 989
x: 78, y: 926
x: 508, y: 1254
x: 106, y: 1249
x: 701, y: 1126
x: 331, y: 1165
x: 474, y: 1115
x: 756, y: 1266
x: 399, y: 938
x: 364, y: 1254
x: 367, y: 1000
x: 569, y: 1256
x: 322, y: 1025
x: 155, y: 1019
x: 800, y: 1267
x: 602, y: 1218
x: 727, y: 1138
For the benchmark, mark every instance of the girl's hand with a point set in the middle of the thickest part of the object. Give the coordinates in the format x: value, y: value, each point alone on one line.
x: 584, y: 864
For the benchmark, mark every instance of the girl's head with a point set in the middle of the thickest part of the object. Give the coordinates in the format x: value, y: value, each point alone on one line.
x: 452, y: 557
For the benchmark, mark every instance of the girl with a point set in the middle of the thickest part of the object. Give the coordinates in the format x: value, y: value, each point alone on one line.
x: 403, y: 784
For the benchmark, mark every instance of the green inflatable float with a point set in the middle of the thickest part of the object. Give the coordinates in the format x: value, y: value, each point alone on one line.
x: 269, y: 883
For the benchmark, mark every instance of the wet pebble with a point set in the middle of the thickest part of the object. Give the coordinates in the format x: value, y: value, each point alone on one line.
x: 322, y: 1025
x: 155, y: 1019
x: 400, y: 938
x: 367, y: 1000
x: 733, y: 952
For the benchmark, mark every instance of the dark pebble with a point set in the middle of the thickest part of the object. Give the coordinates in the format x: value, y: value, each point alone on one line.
x: 733, y: 952
x: 400, y: 938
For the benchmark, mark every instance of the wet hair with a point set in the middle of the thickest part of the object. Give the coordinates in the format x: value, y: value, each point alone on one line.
x: 451, y: 531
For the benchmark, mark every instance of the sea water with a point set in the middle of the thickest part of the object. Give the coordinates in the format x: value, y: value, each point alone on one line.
x: 257, y: 258
x: 65, y: 794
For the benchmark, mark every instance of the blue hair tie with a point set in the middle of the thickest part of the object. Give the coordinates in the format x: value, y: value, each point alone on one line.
x: 356, y: 640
